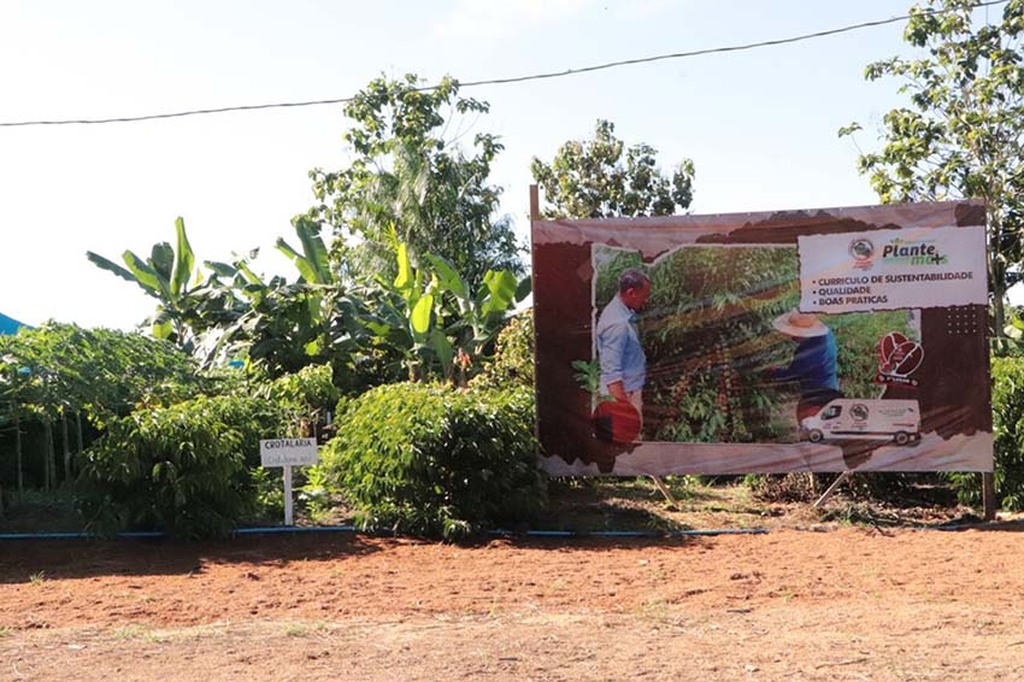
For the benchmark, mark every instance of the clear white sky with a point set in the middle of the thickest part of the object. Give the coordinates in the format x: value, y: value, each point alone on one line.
x: 759, y: 125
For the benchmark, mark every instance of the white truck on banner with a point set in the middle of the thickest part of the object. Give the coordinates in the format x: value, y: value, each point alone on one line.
x: 860, y: 419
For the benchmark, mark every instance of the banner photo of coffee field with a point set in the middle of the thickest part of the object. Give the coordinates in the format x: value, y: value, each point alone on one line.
x: 821, y: 340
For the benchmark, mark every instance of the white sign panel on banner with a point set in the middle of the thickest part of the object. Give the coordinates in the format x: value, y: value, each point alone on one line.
x: 892, y: 269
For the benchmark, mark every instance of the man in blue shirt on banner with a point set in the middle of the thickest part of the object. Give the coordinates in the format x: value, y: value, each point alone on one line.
x: 622, y: 358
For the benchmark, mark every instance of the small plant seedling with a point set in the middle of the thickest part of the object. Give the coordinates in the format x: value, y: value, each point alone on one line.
x: 131, y: 631
x: 296, y: 630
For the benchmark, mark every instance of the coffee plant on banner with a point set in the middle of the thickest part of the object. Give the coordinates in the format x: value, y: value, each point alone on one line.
x: 707, y: 334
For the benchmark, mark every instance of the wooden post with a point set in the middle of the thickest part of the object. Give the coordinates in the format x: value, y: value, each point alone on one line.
x: 534, y: 216
x: 988, y: 494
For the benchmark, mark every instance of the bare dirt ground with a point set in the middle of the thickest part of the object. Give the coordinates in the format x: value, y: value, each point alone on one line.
x: 803, y: 601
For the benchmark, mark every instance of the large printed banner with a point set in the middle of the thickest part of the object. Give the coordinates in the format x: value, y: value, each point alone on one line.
x: 820, y: 340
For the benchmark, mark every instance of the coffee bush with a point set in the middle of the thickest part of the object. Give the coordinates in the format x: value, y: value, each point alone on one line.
x: 188, y: 470
x: 1008, y: 432
x: 512, y: 364
x: 434, y: 460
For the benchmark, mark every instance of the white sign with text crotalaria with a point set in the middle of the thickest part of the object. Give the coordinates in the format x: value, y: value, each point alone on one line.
x: 891, y: 269
x: 279, y: 452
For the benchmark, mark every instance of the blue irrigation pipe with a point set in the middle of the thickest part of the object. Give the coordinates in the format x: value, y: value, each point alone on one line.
x: 261, y: 530
x: 77, y: 536
x: 160, y: 534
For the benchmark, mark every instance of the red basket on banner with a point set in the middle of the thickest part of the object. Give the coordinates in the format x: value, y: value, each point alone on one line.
x: 616, y: 422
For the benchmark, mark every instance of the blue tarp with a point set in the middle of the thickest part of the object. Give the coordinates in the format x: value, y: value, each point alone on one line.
x: 9, y: 325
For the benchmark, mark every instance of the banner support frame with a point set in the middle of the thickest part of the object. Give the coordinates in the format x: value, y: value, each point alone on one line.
x: 832, y: 488
x: 988, y: 494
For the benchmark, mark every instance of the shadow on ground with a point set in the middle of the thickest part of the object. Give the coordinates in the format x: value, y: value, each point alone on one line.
x: 87, y: 558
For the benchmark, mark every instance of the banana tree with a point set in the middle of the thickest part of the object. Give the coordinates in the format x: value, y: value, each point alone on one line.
x: 321, y: 284
x: 476, y: 318
x: 401, y: 317
x: 312, y: 262
x: 431, y: 316
x: 171, y: 276
x: 289, y: 325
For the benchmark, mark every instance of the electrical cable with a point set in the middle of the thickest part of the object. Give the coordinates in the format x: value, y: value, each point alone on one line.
x: 493, y: 81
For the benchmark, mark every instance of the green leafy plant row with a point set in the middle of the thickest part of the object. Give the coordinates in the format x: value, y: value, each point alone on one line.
x: 192, y: 469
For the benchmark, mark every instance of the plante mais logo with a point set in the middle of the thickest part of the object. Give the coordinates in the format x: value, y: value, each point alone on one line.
x: 924, y: 252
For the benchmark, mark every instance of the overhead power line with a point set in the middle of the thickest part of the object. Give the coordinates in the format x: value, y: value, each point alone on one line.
x: 493, y: 81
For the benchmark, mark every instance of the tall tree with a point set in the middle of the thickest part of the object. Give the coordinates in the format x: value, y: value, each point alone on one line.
x: 591, y: 179
x: 961, y: 138
x: 410, y: 181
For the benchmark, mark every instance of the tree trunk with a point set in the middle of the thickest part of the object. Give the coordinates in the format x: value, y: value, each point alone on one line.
x: 66, y: 444
x: 998, y: 313
x: 49, y: 456
x: 996, y: 273
x: 78, y: 429
x: 18, y: 457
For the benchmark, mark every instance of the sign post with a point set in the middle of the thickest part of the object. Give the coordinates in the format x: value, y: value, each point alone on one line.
x: 288, y: 452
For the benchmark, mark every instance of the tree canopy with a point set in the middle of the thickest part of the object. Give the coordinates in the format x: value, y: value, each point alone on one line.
x: 411, y: 181
x: 961, y: 135
x: 602, y: 178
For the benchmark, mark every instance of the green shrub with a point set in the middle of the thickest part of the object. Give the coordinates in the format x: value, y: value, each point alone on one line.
x: 1008, y: 432
x: 303, y: 398
x: 437, y: 461
x: 512, y: 364
x: 309, y: 389
x: 188, y: 470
